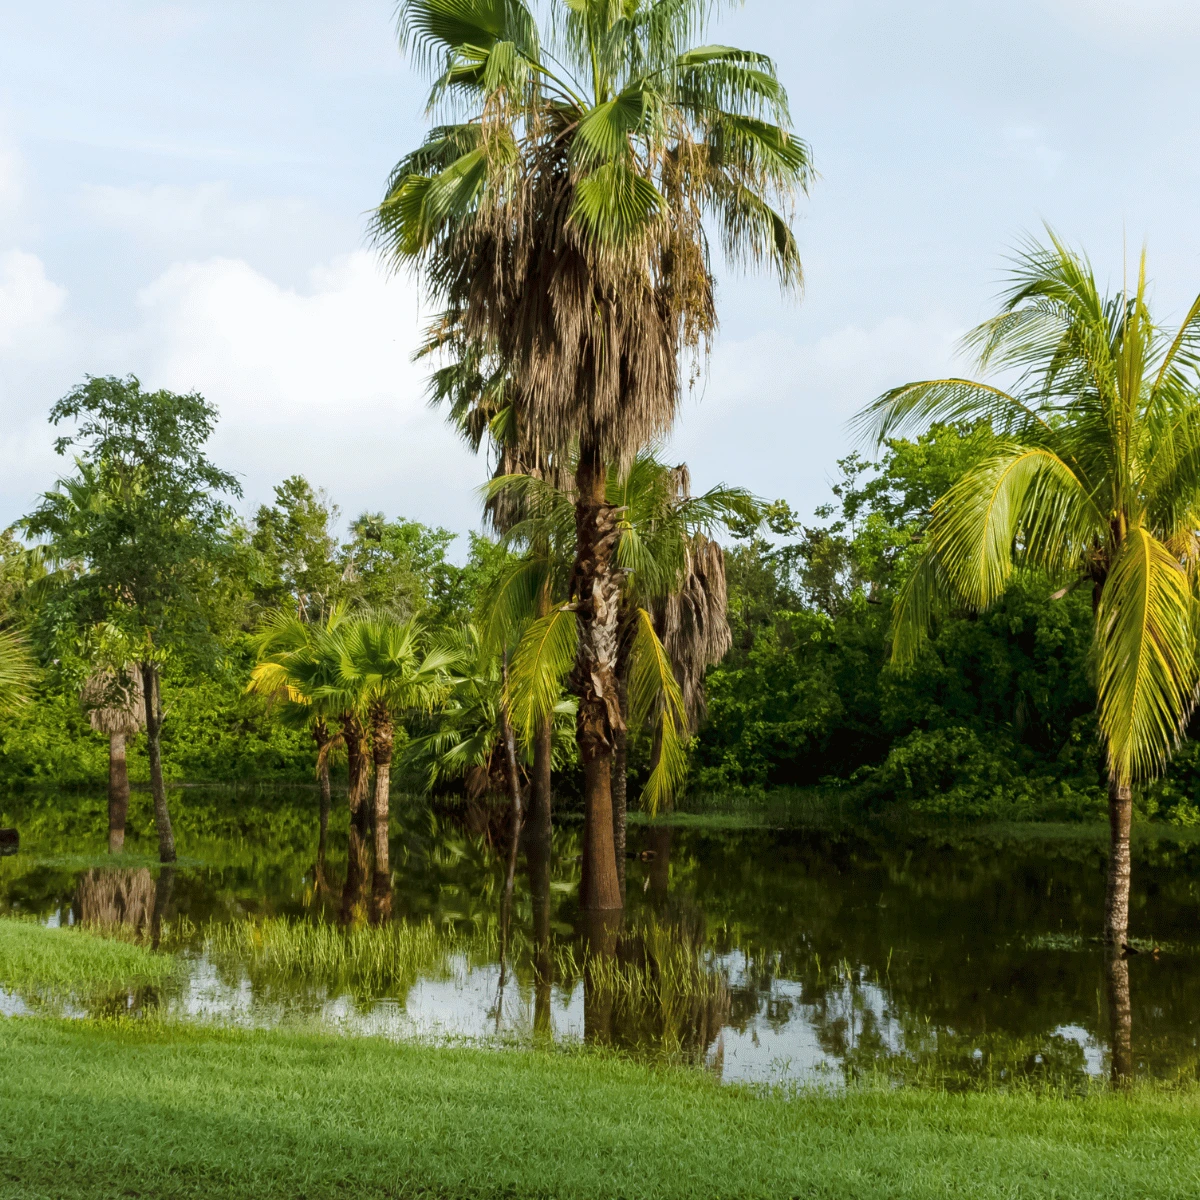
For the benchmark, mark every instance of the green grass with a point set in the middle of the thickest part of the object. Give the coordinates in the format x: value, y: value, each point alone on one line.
x: 62, y: 962
x: 94, y: 1110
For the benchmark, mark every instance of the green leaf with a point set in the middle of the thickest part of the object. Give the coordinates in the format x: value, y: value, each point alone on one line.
x: 1147, y: 674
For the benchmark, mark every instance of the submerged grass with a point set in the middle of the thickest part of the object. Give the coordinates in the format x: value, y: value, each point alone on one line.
x: 62, y: 962
x: 96, y: 1110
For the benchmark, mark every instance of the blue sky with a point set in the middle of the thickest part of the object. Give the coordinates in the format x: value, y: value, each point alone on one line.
x: 182, y: 190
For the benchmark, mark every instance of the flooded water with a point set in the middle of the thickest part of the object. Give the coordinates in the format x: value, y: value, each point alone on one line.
x: 760, y: 955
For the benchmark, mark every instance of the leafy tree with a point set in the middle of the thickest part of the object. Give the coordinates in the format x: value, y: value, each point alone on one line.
x: 1095, y: 478
x: 563, y: 224
x: 151, y: 535
x: 295, y: 540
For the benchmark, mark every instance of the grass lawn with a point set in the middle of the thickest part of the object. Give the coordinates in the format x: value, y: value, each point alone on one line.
x: 62, y: 961
x: 92, y: 1110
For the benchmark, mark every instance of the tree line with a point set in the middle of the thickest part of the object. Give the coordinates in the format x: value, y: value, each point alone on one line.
x: 564, y: 216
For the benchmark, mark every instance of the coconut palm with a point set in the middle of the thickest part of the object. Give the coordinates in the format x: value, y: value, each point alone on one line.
x: 1095, y: 479
x: 563, y: 226
x: 113, y: 700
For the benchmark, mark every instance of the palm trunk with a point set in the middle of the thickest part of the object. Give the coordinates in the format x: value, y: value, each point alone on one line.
x: 620, y: 783
x: 596, y: 590
x: 118, y: 793
x: 1120, y: 1015
x: 320, y: 734
x: 162, y: 816
x: 540, y: 813
x: 356, y: 857
x: 518, y: 816
x: 383, y: 739
x: 540, y: 816
x: 1116, y: 899
x: 537, y: 859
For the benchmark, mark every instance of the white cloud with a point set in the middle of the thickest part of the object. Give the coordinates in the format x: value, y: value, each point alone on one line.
x: 30, y: 305
x: 316, y: 381
x: 775, y: 411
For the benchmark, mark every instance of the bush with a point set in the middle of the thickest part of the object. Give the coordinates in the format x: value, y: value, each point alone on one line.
x: 955, y: 773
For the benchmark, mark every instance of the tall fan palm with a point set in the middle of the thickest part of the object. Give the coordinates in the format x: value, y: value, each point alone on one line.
x: 1097, y: 480
x: 563, y: 225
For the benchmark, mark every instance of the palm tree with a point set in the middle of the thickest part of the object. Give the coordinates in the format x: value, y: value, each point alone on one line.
x: 563, y: 226
x: 385, y: 671
x: 671, y: 623
x: 114, y: 704
x: 294, y: 660
x: 1096, y: 480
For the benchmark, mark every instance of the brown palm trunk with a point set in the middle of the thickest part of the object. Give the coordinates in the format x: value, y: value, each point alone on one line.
x: 162, y: 816
x: 118, y: 793
x: 1120, y: 1015
x: 1116, y: 899
x: 320, y: 734
x: 540, y: 812
x: 596, y: 591
x: 620, y: 783
x: 537, y: 860
x: 517, y: 817
x: 383, y: 739
x: 356, y: 793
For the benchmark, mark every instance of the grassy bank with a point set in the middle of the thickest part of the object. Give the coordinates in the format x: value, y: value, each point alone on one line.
x: 112, y: 1110
x: 61, y: 962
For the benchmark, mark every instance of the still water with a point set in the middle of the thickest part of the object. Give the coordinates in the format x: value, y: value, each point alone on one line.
x: 789, y: 955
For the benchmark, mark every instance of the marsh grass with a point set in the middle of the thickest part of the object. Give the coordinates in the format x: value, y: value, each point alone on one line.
x: 43, y: 964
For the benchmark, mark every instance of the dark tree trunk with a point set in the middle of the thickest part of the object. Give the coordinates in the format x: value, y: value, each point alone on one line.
x: 356, y: 859
x: 595, y: 587
x: 1120, y: 1015
x: 154, y: 718
x: 1116, y: 899
x: 383, y: 740
x: 164, y: 890
x: 601, y: 932
x: 118, y: 793
x: 320, y: 734
x: 540, y: 811
x: 517, y: 816
x: 620, y: 782
x: 537, y: 860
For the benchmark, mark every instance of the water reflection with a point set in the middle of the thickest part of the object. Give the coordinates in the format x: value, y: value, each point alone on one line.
x: 762, y: 956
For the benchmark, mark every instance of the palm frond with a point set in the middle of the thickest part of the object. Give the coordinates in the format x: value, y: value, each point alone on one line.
x: 542, y: 661
x: 1147, y: 669
x: 17, y: 670
x: 654, y: 691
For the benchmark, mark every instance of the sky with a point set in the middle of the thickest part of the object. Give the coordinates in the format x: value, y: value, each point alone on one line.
x: 183, y: 190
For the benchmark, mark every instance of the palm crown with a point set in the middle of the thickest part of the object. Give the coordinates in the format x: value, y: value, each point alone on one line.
x: 592, y: 160
x: 1096, y: 479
